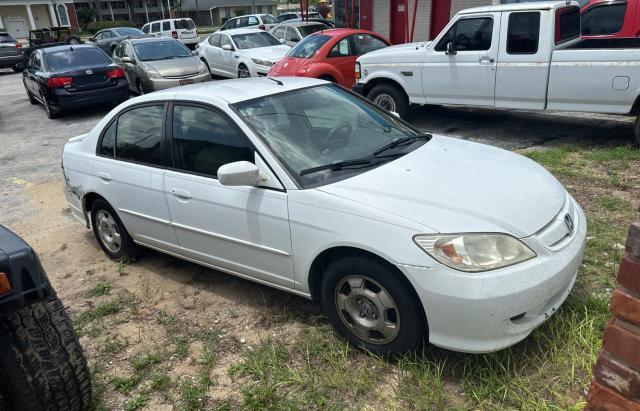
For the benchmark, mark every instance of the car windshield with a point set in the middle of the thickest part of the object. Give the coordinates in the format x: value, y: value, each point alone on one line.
x: 129, y: 31
x: 6, y: 38
x: 186, y: 24
x: 83, y: 57
x: 310, y: 29
x: 269, y: 19
x: 308, y: 47
x: 161, y: 50
x: 318, y: 126
x: 255, y: 40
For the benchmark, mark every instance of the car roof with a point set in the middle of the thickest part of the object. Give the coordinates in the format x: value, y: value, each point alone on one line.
x: 235, y: 90
x: 150, y: 39
x: 241, y: 31
x: 342, y: 31
x: 299, y: 23
x: 160, y: 21
x: 68, y: 48
x: 539, y: 5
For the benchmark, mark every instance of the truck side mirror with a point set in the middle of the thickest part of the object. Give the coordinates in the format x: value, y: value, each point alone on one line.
x: 451, y: 49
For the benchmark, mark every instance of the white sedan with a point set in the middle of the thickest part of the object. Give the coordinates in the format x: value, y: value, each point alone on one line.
x: 241, y: 52
x: 299, y: 184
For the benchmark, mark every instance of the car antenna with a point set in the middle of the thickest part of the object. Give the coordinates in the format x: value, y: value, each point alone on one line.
x: 280, y: 83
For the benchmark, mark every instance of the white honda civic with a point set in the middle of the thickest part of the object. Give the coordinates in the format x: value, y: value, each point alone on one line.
x: 299, y: 184
x: 241, y: 52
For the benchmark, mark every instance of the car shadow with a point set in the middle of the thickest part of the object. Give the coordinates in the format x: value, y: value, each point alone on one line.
x: 512, y: 129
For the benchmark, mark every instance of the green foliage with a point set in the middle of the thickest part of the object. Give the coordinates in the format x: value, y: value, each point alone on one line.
x: 96, y: 26
x: 136, y: 403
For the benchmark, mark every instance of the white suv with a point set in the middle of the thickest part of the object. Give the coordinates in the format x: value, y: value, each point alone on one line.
x: 183, y: 30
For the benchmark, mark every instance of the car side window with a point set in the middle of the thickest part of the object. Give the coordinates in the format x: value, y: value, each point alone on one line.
x: 139, y: 133
x: 523, y: 33
x: 292, y: 35
x: 99, y: 36
x: 341, y: 49
x: 603, y: 20
x: 252, y: 21
x: 107, y: 144
x: 166, y: 25
x: 155, y: 27
x: 279, y: 32
x: 37, y: 61
x: 225, y: 40
x: 203, y: 140
x: 472, y: 34
x: 145, y: 28
x: 365, y: 43
x: 214, y: 40
x: 242, y: 22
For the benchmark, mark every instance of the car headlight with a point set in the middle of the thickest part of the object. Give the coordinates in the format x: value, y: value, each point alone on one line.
x: 151, y: 72
x: 474, y: 252
x: 259, y: 62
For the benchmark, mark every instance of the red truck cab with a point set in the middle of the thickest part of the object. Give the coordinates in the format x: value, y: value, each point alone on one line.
x: 610, y: 18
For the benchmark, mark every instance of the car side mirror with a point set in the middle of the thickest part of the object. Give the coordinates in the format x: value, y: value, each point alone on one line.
x: 282, y: 41
x: 451, y: 49
x: 227, y: 47
x: 239, y: 173
x: 92, y: 39
x: 127, y: 60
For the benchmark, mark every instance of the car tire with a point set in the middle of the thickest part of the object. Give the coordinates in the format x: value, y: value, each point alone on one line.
x: 32, y: 99
x: 72, y: 40
x: 636, y: 130
x: 390, y: 98
x: 42, y: 366
x: 243, y: 71
x: 51, y: 113
x: 362, y: 296
x: 111, y: 234
x: 208, y: 68
x: 18, y: 68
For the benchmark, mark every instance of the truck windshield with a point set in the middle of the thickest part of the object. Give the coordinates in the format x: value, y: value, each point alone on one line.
x: 72, y: 58
x: 311, y: 129
x: 308, y: 47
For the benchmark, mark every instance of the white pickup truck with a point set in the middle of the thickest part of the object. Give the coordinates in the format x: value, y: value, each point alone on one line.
x: 520, y: 56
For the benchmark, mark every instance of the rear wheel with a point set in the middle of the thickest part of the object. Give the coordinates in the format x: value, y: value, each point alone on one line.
x: 32, y: 99
x: 72, y: 40
x: 42, y: 366
x: 243, y: 71
x: 372, y: 307
x: 51, y: 113
x: 390, y: 98
x: 111, y: 233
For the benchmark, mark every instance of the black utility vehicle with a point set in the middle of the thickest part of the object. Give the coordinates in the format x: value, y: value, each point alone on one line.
x: 68, y: 77
x: 42, y: 366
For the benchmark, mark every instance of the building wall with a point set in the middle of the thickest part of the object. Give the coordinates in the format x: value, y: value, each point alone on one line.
x: 73, y: 17
x: 423, y: 19
x: 40, y: 15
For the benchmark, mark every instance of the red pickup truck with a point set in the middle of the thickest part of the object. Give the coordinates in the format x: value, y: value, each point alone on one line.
x: 611, y: 18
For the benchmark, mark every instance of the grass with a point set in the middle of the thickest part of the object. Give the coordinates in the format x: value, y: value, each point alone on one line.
x: 136, y: 403
x: 99, y: 311
x: 102, y: 288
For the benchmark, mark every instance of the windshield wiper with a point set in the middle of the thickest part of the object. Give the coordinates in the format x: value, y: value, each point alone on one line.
x: 402, y: 142
x: 340, y: 164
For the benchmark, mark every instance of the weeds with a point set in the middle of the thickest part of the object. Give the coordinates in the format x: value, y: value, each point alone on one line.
x: 100, y: 289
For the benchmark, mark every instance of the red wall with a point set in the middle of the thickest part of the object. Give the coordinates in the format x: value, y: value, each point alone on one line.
x: 73, y: 17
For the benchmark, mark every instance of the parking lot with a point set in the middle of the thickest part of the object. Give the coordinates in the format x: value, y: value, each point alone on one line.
x: 168, y: 333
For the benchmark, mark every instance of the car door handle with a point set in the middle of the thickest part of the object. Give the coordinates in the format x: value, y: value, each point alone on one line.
x: 180, y: 193
x: 487, y: 59
x: 104, y: 176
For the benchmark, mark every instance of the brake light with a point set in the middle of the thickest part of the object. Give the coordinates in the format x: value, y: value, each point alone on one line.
x: 262, y: 27
x: 18, y: 45
x: 115, y: 73
x: 57, y: 82
x: 174, y: 34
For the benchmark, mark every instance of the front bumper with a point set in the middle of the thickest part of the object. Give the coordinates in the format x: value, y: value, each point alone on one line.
x: 150, y: 85
x: 260, y: 71
x: 485, y: 312
x: 358, y: 88
x: 61, y: 99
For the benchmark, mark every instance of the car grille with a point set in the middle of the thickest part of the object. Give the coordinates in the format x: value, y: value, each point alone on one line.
x: 560, y: 231
x: 181, y: 77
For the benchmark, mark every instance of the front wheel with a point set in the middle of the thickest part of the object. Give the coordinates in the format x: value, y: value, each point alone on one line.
x: 42, y: 366
x: 72, y: 40
x: 243, y: 71
x: 372, y: 307
x: 390, y: 98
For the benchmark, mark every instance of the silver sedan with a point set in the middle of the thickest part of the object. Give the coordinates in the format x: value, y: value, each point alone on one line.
x: 158, y: 63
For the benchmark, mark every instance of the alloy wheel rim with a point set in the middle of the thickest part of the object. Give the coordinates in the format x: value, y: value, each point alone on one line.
x: 244, y: 73
x: 108, y: 231
x: 385, y: 101
x: 367, y: 309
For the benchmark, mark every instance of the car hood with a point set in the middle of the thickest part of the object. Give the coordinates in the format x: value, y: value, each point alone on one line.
x: 271, y: 53
x: 175, y: 67
x: 289, y: 66
x: 452, y: 186
x: 401, y: 50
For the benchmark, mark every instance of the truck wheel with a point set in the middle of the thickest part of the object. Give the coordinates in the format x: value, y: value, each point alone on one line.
x: 390, y: 98
x: 72, y: 40
x: 42, y: 366
x: 111, y: 233
x: 371, y: 307
x: 636, y: 130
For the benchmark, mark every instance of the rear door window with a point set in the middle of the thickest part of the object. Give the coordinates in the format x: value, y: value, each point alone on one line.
x: 155, y: 27
x: 214, y: 40
x: 83, y: 57
x: 472, y: 34
x: 523, y: 33
x: 166, y: 26
x: 253, y: 21
x: 139, y: 135
x: 567, y: 24
x: 279, y: 32
x: 365, y: 43
x: 603, y: 20
x: 184, y: 24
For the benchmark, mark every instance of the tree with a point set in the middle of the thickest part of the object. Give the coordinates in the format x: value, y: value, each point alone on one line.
x: 96, y: 9
x: 85, y: 16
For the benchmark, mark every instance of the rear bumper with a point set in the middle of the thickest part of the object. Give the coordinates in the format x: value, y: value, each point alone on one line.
x: 11, y: 61
x: 150, y: 85
x: 61, y: 99
x: 358, y: 88
x: 190, y: 42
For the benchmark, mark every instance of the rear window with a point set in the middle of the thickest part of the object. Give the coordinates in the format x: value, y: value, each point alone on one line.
x: 62, y: 60
x: 310, y: 29
x: 269, y: 19
x: 6, y: 38
x: 129, y: 31
x: 308, y: 47
x: 603, y: 20
x: 186, y: 24
x: 567, y: 24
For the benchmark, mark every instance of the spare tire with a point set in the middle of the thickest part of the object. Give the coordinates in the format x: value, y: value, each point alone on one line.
x: 42, y: 366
